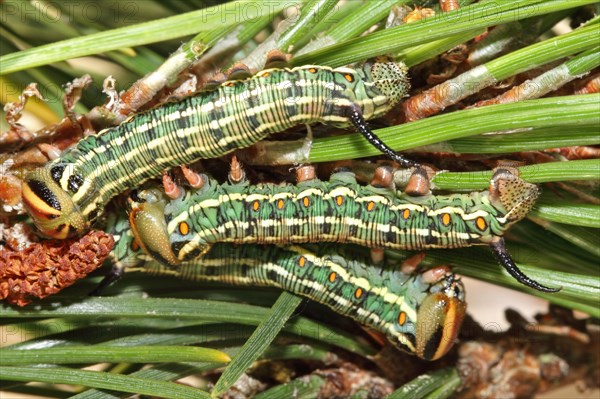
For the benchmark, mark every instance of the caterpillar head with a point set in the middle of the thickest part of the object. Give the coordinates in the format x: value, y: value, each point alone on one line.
x: 49, y: 195
x: 148, y: 224
x: 391, y: 78
x: 440, y: 316
x: 511, y: 195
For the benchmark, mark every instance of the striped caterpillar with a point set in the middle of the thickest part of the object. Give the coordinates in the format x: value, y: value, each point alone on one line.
x: 340, y: 210
x: 419, y: 313
x: 66, y: 195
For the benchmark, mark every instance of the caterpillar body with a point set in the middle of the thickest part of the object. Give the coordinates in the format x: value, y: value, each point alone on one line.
x: 342, y: 211
x: 419, y: 313
x: 65, y: 196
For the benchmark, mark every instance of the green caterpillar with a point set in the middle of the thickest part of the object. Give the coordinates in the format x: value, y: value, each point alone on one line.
x: 340, y: 210
x: 419, y: 313
x: 65, y: 196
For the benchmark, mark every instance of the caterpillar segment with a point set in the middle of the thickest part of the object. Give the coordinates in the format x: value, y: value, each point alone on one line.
x: 67, y: 195
x: 419, y: 313
x: 340, y: 210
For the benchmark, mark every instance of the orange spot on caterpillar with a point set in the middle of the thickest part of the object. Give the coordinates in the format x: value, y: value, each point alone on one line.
x: 312, y: 70
x: 480, y: 223
x: 405, y: 214
x: 349, y: 77
x: 332, y: 277
x: 370, y: 206
x: 265, y: 75
x: 256, y: 206
x: 446, y: 219
x: 280, y: 204
x: 302, y: 261
x: 339, y: 200
x: 358, y: 293
x: 184, y: 228
x: 306, y: 201
x: 402, y: 318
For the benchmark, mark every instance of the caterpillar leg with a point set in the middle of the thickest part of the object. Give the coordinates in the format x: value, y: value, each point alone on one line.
x: 383, y: 177
x: 305, y: 173
x: 172, y: 190
x: 51, y: 151
x: 377, y: 336
x: 196, y: 180
x: 377, y: 255
x: 409, y: 265
x: 236, y: 174
x: 277, y: 59
x: 418, y: 183
x: 355, y: 115
x: 238, y: 71
x: 214, y: 82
